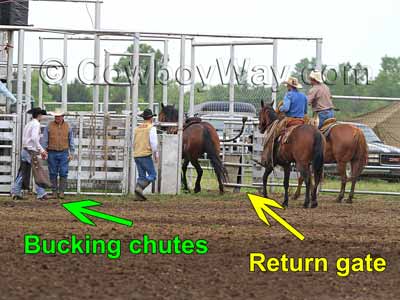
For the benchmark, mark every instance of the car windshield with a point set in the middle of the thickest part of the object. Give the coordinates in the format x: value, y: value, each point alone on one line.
x: 370, y: 135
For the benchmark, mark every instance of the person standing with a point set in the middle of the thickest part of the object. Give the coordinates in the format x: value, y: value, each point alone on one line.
x: 320, y: 98
x: 58, y: 139
x: 30, y: 146
x: 294, y: 102
x: 144, y: 149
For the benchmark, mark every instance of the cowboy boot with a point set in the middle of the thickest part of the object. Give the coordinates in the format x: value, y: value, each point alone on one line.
x: 63, y: 186
x: 140, y: 186
x: 54, y: 187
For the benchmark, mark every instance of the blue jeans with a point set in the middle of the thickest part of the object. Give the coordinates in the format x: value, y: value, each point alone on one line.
x: 17, y: 187
x: 146, y: 170
x: 58, y: 164
x: 324, y: 115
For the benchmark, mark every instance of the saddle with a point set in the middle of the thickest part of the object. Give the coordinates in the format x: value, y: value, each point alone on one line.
x: 291, y: 124
x: 327, y: 126
x: 192, y: 120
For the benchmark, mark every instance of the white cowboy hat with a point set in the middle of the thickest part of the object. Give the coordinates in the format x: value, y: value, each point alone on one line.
x: 58, y: 112
x: 316, y: 75
x: 294, y: 82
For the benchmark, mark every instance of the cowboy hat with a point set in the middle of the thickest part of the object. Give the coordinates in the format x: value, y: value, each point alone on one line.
x: 37, y: 111
x: 58, y: 112
x: 294, y: 82
x: 316, y: 75
x: 147, y: 114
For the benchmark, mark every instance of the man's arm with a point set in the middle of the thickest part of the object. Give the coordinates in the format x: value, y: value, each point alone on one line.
x: 286, y: 103
x: 36, y: 138
x: 4, y: 91
x: 311, y: 97
x: 154, y: 142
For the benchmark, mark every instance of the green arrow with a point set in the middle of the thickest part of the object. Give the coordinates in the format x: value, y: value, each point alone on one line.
x: 79, y: 208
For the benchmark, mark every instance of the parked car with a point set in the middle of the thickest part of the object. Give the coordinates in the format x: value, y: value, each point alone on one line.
x: 383, y: 159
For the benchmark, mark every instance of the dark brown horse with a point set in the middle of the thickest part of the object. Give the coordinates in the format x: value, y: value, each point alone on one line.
x: 345, y: 143
x: 304, y: 146
x: 199, y: 138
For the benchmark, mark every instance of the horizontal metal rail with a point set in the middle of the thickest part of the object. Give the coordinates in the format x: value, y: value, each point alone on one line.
x: 366, y: 98
x: 233, y: 43
x: 149, y: 33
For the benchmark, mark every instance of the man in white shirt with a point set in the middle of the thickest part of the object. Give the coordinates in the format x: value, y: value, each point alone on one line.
x: 144, y: 149
x: 30, y: 142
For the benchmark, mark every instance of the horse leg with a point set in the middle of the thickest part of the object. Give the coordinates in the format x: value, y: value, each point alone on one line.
x: 341, y: 167
x: 267, y: 171
x: 317, y: 182
x: 305, y: 173
x: 184, y: 169
x: 199, y: 170
x: 286, y: 171
x: 354, y: 176
x: 298, y: 189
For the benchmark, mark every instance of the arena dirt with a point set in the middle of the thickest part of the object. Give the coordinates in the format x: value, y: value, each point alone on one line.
x: 229, y: 224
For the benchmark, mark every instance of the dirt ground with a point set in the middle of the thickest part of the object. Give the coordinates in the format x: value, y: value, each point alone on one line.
x: 232, y: 229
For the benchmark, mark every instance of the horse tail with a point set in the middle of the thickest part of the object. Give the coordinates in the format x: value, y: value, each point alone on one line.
x: 318, y: 150
x: 361, y: 153
x: 213, y: 156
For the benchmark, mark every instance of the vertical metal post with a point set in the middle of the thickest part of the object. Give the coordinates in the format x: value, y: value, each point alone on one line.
x: 106, y: 98
x: 78, y: 183
x: 40, y: 83
x: 275, y: 71
x: 181, y: 111
x: 128, y: 98
x: 64, y: 88
x: 318, y: 55
x: 165, y: 78
x: 28, y: 84
x: 151, y: 81
x: 96, y: 88
x: 232, y: 82
x: 193, y: 78
x: 135, y: 100
x: 126, y: 161
x: 20, y: 89
x: 10, y: 60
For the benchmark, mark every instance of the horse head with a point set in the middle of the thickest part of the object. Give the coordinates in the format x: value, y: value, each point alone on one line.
x: 266, y: 116
x: 168, y: 114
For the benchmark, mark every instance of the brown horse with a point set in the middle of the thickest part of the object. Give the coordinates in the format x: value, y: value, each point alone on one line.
x: 199, y: 137
x: 345, y: 143
x: 304, y: 146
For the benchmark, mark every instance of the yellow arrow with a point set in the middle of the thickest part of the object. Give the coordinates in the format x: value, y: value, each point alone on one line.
x: 262, y: 204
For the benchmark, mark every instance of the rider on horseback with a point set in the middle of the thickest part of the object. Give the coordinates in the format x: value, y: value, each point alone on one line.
x: 293, y: 108
x: 294, y: 102
x: 320, y: 98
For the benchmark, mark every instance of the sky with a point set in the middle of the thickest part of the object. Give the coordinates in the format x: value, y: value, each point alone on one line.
x: 354, y: 31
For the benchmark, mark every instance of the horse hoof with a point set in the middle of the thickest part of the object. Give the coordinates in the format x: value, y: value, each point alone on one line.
x: 339, y: 200
x: 197, y: 191
x: 305, y: 205
x: 285, y: 204
x: 314, y: 205
x: 186, y: 191
x: 349, y: 201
